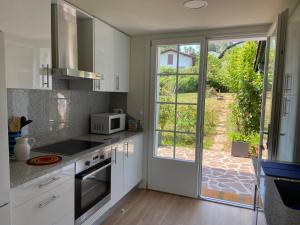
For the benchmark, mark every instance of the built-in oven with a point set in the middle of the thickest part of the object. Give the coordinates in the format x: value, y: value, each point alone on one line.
x: 92, y: 184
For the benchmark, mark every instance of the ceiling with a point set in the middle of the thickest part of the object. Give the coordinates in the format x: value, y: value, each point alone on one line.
x: 136, y: 17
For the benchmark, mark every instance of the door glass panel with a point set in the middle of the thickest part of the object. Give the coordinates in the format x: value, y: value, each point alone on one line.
x: 186, y: 120
x: 185, y: 146
x: 167, y: 59
x: 165, y: 144
x: 189, y: 58
x: 167, y: 88
x: 176, y: 101
x: 188, y: 89
x: 166, y: 116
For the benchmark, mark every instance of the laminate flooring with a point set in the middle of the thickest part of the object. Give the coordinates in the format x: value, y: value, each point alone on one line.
x: 145, y: 207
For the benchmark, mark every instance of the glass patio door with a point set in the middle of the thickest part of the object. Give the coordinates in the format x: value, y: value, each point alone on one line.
x: 176, y: 113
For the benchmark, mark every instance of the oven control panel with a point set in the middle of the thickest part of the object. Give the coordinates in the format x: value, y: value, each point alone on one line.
x: 93, y: 159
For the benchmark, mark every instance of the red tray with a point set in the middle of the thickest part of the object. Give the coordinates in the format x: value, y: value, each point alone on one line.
x: 44, y: 160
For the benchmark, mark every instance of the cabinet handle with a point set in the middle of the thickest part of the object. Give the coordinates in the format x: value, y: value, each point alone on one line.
x: 99, y: 85
x: 116, y: 155
x: 43, y: 75
x: 48, y: 201
x: 50, y: 181
x: 126, y: 144
x: 117, y: 82
x: 48, y: 75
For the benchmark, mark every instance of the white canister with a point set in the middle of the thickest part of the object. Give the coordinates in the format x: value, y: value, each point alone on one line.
x: 23, y: 147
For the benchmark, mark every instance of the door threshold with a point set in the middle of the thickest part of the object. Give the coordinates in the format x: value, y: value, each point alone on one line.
x: 224, y: 202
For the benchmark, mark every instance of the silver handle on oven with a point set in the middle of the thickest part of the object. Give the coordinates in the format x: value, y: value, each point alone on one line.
x: 96, y: 171
x: 50, y: 181
x: 48, y: 201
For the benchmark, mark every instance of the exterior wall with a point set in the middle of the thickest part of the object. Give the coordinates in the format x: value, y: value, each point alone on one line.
x: 184, y: 61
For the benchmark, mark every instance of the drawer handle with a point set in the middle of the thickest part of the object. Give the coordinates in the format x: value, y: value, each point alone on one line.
x: 50, y: 181
x: 48, y: 201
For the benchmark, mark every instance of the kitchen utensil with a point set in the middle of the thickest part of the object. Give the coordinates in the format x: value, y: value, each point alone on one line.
x: 15, y: 124
x: 44, y: 160
x: 23, y: 147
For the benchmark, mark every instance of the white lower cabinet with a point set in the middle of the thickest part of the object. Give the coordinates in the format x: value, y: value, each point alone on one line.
x: 117, y: 177
x: 66, y: 220
x: 53, y: 207
x: 126, y: 167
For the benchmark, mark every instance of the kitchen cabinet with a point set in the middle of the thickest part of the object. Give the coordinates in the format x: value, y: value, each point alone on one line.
x: 117, y: 177
x: 104, y: 56
x: 27, y: 43
x: 49, y: 199
x: 126, y: 167
x: 121, y: 61
x: 112, y: 53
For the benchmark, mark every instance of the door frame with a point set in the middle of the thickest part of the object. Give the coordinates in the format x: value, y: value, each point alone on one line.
x: 199, y: 131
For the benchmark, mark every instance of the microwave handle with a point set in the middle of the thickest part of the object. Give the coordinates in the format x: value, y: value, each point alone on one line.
x: 85, y: 176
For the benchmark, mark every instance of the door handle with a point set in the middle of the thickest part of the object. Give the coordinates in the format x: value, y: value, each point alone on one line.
x: 48, y: 75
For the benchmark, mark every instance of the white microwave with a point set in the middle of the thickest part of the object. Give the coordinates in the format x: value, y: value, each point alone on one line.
x: 107, y: 123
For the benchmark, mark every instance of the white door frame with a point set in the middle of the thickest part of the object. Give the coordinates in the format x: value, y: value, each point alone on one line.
x: 172, y: 170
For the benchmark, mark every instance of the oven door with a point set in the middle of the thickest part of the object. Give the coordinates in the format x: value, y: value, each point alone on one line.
x: 92, y: 190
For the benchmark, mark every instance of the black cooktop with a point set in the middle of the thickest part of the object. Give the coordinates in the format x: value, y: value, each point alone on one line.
x: 68, y: 147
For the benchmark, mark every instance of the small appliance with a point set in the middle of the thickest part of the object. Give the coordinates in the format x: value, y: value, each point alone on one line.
x: 107, y: 123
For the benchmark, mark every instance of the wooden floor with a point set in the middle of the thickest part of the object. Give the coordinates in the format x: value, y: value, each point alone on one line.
x: 145, y: 207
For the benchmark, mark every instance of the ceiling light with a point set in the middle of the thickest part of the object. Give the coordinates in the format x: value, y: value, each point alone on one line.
x: 195, y: 4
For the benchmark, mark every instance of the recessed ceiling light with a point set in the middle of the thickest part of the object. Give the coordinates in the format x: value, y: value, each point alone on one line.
x: 195, y: 4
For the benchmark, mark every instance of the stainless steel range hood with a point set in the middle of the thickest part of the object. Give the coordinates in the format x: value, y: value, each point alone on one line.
x: 65, y: 43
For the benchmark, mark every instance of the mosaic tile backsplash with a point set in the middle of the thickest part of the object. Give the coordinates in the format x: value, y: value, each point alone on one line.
x: 58, y: 114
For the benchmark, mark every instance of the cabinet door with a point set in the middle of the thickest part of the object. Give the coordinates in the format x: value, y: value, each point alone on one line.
x: 27, y: 29
x: 138, y: 145
x: 66, y: 220
x: 121, y: 61
x: 130, y: 165
x: 104, y: 56
x: 117, y: 176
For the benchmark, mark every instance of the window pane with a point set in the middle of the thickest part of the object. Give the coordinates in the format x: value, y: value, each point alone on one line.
x: 186, y: 118
x: 165, y: 116
x: 167, y: 87
x: 185, y: 147
x: 165, y: 144
x: 187, y: 89
x: 189, y: 58
x: 167, y: 59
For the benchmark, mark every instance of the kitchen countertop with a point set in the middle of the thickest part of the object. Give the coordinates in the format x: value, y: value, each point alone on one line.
x: 21, y: 172
x: 276, y: 212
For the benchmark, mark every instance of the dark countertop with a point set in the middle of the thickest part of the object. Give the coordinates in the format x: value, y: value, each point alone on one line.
x: 276, y: 212
x: 21, y: 172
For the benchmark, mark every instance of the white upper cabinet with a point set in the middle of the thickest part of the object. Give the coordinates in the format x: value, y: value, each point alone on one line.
x: 112, y: 53
x: 121, y: 61
x: 27, y: 29
x: 104, y: 56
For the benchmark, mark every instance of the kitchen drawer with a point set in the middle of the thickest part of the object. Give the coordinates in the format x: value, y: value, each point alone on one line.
x: 38, y: 186
x: 47, y: 208
x: 66, y: 220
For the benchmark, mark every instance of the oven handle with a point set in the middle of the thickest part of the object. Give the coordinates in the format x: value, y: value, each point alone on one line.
x: 96, y: 171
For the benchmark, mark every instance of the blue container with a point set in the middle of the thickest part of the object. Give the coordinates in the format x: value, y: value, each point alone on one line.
x: 12, y: 141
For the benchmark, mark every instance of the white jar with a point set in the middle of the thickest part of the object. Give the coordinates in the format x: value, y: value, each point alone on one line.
x: 23, y: 147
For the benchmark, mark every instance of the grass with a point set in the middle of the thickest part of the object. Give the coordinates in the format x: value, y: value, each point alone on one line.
x: 211, y: 103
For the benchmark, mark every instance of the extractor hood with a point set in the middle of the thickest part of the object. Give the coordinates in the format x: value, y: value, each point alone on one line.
x: 72, y: 34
